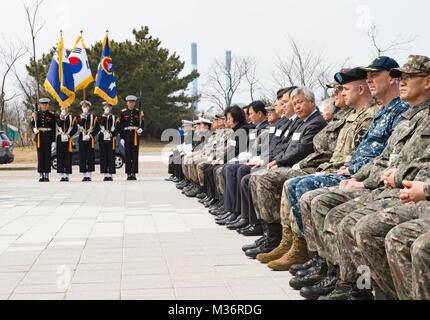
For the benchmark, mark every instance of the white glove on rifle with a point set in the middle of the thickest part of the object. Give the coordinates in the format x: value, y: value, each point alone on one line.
x: 36, y: 131
x: 139, y: 131
x: 123, y: 142
x: 54, y: 145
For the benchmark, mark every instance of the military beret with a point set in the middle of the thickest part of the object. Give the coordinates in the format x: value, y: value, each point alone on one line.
x: 131, y: 98
x: 87, y: 103
x: 44, y: 100
x: 350, y: 76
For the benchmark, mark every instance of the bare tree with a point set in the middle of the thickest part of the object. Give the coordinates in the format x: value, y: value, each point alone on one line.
x: 302, y: 67
x: 35, y: 28
x: 251, y: 77
x: 398, y: 43
x: 217, y: 91
x: 8, y: 59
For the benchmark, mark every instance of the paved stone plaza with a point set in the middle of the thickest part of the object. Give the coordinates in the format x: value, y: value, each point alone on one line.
x: 122, y: 240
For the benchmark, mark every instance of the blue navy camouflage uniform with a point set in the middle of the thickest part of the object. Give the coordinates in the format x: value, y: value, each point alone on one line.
x: 372, y: 145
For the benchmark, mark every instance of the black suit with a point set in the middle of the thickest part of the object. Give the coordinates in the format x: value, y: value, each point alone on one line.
x: 302, y: 140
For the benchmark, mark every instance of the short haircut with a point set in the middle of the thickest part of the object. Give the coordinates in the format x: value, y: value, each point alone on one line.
x: 281, y: 93
x: 330, y: 104
x: 308, y: 93
x: 258, y: 106
x: 236, y: 113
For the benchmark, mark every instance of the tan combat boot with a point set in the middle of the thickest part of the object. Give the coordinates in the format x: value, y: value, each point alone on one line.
x: 298, y: 254
x: 283, y: 248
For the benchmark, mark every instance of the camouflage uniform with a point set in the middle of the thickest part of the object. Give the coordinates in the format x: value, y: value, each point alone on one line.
x: 332, y: 207
x: 406, y: 244
x: 372, y: 145
x: 222, y: 137
x: 341, y: 222
x: 267, y: 189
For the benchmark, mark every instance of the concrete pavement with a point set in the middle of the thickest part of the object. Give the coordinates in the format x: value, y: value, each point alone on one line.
x: 121, y: 240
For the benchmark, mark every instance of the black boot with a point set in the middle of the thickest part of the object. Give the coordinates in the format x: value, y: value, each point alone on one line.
x: 324, y: 287
x: 253, y: 231
x: 274, y: 236
x: 298, y: 267
x: 315, y: 268
x: 319, y: 273
x: 254, y: 245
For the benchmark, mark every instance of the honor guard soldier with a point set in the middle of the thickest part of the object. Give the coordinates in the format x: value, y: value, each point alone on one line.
x: 131, y: 128
x: 107, y: 142
x: 43, y: 125
x: 66, y: 129
x: 88, y: 131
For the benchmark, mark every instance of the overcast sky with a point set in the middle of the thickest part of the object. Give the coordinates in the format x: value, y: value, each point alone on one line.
x: 255, y: 28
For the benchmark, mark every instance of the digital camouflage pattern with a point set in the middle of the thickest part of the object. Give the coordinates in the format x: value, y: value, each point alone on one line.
x: 325, y: 143
x: 372, y: 145
x: 415, y: 64
x: 394, y: 245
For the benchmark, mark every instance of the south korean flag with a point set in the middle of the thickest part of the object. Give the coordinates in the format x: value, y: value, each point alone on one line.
x: 80, y: 66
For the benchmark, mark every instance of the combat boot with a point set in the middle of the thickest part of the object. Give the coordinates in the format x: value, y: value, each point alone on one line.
x: 298, y: 267
x: 298, y: 254
x: 283, y: 248
x: 323, y: 288
x: 318, y: 265
x: 256, y: 244
x: 342, y: 291
x: 274, y: 235
x: 311, y: 279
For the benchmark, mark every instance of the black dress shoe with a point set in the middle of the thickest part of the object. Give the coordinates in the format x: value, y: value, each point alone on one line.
x: 169, y: 179
x: 201, y: 196
x: 245, y: 228
x: 106, y: 179
x: 210, y: 203
x: 204, y: 200
x: 85, y: 179
x: 66, y: 179
x: 239, y: 224
x: 227, y: 220
x: 129, y: 178
x: 253, y: 231
x: 46, y: 180
x: 42, y: 180
x: 256, y: 244
x: 223, y: 216
x: 176, y: 180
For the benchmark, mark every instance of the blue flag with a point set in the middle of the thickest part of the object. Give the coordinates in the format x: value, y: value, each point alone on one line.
x: 105, y: 80
x: 59, y: 80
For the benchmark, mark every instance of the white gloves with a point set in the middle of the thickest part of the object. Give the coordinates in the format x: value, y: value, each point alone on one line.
x: 86, y: 138
x: 54, y: 145
x: 244, y: 157
x: 36, y: 131
x: 65, y: 137
x: 139, y: 131
x: 123, y: 142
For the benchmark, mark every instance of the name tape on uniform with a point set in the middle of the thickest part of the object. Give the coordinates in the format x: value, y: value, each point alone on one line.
x: 296, y: 136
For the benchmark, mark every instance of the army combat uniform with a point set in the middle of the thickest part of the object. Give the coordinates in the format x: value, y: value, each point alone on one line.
x: 408, y: 253
x: 343, y: 209
x: 372, y: 145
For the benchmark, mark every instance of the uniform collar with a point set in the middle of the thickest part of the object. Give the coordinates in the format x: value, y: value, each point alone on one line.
x: 411, y: 112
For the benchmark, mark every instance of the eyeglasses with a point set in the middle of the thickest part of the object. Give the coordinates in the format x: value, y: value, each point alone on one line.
x: 408, y: 77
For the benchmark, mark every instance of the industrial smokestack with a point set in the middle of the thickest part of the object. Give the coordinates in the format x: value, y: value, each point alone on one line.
x: 195, y: 84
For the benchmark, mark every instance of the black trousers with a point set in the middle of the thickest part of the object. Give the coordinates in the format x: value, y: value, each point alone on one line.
x: 44, y: 152
x: 107, y: 157
x: 170, y: 168
x: 230, y: 180
x: 64, y: 157
x: 248, y: 210
x: 86, y: 157
x: 210, y: 181
x: 241, y: 173
x: 131, y: 155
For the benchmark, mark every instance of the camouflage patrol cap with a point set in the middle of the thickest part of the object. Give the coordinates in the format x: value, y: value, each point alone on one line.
x: 415, y: 64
